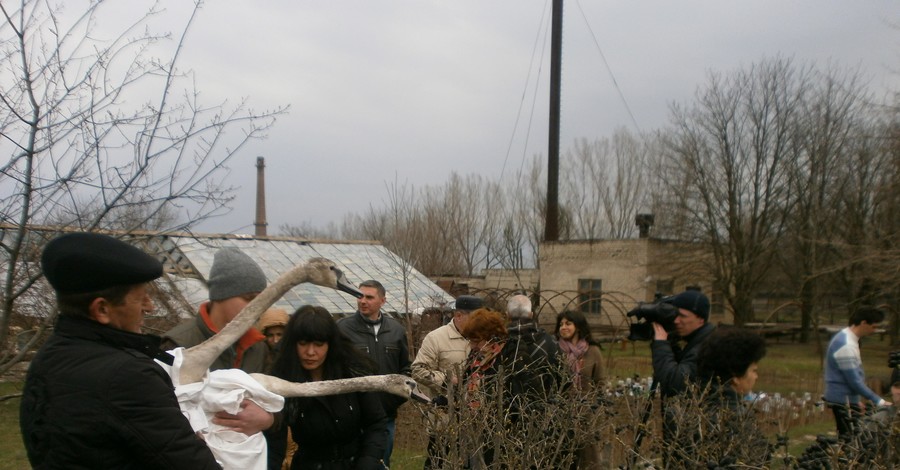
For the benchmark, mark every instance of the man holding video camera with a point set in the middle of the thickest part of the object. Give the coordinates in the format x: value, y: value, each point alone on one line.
x: 675, y: 365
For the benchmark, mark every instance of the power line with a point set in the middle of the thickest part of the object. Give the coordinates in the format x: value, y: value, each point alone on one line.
x: 608, y: 68
x: 537, y: 40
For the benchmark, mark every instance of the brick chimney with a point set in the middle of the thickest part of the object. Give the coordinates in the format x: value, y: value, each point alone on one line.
x: 260, y: 197
x: 644, y: 222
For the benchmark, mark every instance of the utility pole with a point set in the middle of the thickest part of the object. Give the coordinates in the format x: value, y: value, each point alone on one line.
x: 551, y: 224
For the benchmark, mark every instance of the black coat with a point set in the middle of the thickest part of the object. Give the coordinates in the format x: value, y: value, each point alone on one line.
x: 94, y: 399
x: 674, y: 367
x: 389, y: 350
x: 335, y: 432
x: 531, y: 358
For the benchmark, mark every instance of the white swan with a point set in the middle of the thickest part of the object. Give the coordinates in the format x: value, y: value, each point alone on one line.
x: 319, y: 271
x: 202, y: 393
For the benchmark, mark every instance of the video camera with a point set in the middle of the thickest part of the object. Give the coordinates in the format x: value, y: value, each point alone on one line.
x: 894, y: 359
x: 660, y: 312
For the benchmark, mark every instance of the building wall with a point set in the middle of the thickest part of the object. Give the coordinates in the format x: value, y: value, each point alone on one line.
x: 630, y: 271
x: 518, y: 279
x: 491, y: 280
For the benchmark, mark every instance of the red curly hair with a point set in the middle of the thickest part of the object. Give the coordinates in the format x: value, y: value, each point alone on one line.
x: 484, y: 324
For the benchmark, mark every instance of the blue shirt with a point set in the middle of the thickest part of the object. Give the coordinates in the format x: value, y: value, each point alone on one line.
x: 845, y: 381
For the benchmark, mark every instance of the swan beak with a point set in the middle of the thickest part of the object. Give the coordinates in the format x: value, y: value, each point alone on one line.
x: 418, y: 395
x: 344, y: 286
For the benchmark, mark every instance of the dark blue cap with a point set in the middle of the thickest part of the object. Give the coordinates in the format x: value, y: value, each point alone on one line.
x: 692, y: 300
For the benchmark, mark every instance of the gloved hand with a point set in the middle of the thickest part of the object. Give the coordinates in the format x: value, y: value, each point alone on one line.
x: 440, y: 400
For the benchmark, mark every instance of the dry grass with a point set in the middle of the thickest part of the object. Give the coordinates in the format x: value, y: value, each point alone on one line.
x: 12, y: 452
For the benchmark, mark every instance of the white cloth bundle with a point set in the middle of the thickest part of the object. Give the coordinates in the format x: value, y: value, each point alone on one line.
x: 224, y: 390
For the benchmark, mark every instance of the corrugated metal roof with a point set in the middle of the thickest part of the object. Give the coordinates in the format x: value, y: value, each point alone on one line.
x: 358, y: 261
x: 188, y: 259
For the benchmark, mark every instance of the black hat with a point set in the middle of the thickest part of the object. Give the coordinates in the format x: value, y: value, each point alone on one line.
x: 77, y: 263
x: 691, y: 300
x: 468, y: 303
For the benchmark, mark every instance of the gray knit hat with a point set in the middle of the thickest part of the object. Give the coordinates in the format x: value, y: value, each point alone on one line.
x: 233, y: 273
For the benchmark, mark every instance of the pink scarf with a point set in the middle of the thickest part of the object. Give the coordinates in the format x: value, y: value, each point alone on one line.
x: 575, y: 357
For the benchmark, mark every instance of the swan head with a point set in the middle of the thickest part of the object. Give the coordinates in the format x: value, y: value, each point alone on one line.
x: 417, y: 394
x: 406, y: 387
x: 323, y: 272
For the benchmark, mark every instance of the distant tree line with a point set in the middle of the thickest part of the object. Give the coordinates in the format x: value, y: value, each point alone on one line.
x: 789, y: 174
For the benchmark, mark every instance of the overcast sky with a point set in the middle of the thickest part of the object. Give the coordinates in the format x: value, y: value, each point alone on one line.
x: 414, y: 90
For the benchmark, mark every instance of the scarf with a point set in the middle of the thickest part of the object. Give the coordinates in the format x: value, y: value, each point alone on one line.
x: 575, y: 357
x: 251, y: 337
x: 480, y: 363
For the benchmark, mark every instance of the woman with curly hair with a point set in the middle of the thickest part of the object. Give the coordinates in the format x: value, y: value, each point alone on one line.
x: 336, y: 432
x: 728, y: 364
x: 486, y: 332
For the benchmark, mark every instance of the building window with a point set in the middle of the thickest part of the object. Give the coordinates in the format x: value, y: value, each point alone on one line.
x: 589, y: 291
x: 665, y: 287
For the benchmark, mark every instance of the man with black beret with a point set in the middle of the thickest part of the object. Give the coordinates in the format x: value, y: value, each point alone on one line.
x: 93, y: 396
x: 674, y: 366
x: 440, y: 362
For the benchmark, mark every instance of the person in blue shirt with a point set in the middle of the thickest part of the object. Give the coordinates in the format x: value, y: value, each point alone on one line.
x: 845, y: 380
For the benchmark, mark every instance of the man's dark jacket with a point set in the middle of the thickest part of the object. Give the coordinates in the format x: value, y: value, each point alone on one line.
x: 94, y: 399
x: 531, y: 358
x: 674, y: 367
x: 389, y: 349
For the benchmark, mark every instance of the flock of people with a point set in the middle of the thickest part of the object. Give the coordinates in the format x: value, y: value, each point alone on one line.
x: 94, y: 397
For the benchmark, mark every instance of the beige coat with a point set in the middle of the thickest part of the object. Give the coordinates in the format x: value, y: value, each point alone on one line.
x: 442, y: 354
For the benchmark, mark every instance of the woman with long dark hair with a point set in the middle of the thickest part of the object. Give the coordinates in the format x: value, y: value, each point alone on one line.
x: 586, y: 365
x: 335, y: 432
x: 582, y: 352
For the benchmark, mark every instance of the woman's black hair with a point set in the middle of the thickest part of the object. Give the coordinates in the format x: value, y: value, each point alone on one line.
x: 581, y: 325
x: 728, y: 353
x: 314, y: 324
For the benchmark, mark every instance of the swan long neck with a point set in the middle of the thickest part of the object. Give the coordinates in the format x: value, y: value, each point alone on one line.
x: 372, y: 383
x: 199, y: 358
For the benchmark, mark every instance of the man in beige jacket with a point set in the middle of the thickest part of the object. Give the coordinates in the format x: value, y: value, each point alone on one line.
x: 440, y: 361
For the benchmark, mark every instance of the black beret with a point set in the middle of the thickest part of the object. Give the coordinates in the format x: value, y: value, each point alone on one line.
x: 468, y: 303
x: 77, y: 263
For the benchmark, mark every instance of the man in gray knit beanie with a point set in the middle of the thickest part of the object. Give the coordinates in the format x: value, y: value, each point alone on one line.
x: 234, y: 280
x: 233, y: 273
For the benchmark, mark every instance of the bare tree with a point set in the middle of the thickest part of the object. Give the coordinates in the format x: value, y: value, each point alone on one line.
x: 103, y: 133
x: 467, y: 218
x: 833, y: 126
x: 727, y: 156
x: 522, y: 218
x: 412, y: 222
x: 605, y: 185
x: 306, y: 229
